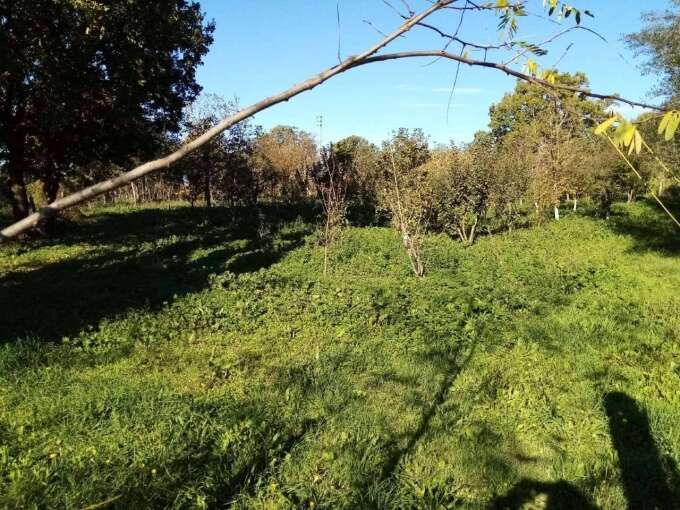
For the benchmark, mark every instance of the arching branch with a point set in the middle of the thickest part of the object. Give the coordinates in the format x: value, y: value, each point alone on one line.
x: 158, y: 164
x: 507, y: 70
x: 367, y: 57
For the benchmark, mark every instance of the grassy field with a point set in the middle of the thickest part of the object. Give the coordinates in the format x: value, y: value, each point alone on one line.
x: 185, y: 358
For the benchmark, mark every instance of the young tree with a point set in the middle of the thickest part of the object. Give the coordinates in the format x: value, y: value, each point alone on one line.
x: 406, y: 193
x: 331, y: 176
x: 360, y: 160
x: 463, y: 184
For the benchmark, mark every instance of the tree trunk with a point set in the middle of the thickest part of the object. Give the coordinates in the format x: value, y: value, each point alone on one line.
x: 135, y: 194
x: 473, y: 230
x: 206, y: 190
x: 50, y: 185
x: 18, y: 196
x: 557, y: 213
x: 51, y: 188
x: 575, y: 202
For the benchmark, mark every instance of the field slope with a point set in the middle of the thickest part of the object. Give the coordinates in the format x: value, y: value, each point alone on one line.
x: 184, y: 358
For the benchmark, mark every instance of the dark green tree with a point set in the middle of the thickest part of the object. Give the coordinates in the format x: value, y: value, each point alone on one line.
x: 85, y: 81
x: 659, y: 41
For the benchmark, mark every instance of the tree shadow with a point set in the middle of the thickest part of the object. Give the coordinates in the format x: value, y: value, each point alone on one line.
x: 135, y: 267
x: 559, y: 495
x: 648, y: 226
x: 453, y: 361
x: 649, y: 481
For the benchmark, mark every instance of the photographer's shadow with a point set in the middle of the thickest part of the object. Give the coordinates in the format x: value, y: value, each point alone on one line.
x: 650, y: 480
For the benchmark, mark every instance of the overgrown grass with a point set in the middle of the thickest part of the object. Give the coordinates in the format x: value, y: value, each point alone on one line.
x: 192, y: 359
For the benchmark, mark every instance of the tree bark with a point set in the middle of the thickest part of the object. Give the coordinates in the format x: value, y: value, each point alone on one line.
x: 16, y: 166
x: 206, y: 189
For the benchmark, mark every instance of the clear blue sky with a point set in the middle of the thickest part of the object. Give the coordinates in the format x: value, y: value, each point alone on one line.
x: 263, y: 46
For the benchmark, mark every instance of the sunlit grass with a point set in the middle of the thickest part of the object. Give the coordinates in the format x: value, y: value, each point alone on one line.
x: 193, y: 359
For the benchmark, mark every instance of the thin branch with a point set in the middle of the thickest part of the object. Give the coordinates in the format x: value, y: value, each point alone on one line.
x: 453, y: 88
x: 564, y: 54
x: 507, y: 70
x: 337, y: 12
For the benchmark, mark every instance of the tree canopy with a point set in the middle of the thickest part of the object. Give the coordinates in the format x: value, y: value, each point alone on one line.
x: 659, y: 41
x: 84, y: 81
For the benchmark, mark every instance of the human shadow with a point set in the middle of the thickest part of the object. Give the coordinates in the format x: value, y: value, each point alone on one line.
x: 146, y: 259
x: 560, y: 495
x: 649, y: 480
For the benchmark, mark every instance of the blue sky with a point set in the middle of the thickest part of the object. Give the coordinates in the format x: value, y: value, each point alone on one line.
x: 264, y: 46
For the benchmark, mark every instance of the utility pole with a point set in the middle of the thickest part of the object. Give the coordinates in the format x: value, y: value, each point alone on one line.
x: 319, y: 124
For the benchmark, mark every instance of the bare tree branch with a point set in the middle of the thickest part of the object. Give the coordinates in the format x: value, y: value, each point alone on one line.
x: 507, y: 70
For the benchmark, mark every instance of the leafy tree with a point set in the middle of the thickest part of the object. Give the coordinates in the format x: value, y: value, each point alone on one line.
x: 406, y: 149
x: 85, y: 81
x: 282, y: 160
x: 360, y: 159
x: 222, y: 167
x: 552, y: 128
x: 463, y: 183
x: 659, y: 41
x: 406, y: 190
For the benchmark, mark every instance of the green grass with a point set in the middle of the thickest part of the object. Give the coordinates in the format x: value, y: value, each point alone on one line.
x: 197, y: 359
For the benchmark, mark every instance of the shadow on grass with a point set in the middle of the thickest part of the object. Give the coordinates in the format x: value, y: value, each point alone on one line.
x: 649, y: 226
x: 648, y: 480
x: 559, y: 495
x: 453, y: 362
x: 144, y: 259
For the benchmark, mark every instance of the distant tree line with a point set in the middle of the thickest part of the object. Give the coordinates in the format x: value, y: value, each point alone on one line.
x: 87, y: 89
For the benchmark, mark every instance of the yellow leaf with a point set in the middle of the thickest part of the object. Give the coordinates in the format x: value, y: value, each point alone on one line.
x: 628, y: 134
x: 601, y: 128
x: 664, y: 122
x: 672, y: 126
x: 531, y: 67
